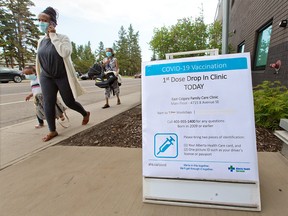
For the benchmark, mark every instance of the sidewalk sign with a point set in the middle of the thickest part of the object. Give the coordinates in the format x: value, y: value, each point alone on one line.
x: 198, y: 129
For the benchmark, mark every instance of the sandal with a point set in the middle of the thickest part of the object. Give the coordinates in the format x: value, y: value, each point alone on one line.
x: 118, y: 102
x: 50, y: 136
x: 39, y: 126
x: 86, y: 119
x: 105, y: 106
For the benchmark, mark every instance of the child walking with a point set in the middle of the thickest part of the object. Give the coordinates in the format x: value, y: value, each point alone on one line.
x: 30, y: 73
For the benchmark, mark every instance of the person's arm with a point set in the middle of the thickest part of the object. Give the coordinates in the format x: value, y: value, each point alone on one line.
x: 28, y: 97
x: 106, y: 61
x: 62, y: 44
x: 117, y: 67
x: 37, y: 65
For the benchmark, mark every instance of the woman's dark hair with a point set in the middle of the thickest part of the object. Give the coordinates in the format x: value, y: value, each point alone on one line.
x: 52, y: 13
x: 31, y: 67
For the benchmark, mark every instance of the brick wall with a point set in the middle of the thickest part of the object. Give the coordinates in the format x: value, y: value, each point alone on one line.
x: 248, y: 16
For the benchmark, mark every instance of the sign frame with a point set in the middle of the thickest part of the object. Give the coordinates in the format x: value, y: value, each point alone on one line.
x: 238, y: 195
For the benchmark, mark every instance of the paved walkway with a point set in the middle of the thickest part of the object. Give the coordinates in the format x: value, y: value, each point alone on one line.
x: 41, y: 179
x: 19, y: 141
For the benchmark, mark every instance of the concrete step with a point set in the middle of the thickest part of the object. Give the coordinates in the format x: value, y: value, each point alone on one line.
x: 283, y: 135
x: 284, y: 124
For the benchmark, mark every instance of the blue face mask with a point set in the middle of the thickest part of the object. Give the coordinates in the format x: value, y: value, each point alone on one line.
x: 30, y: 76
x: 108, y: 54
x: 43, y: 26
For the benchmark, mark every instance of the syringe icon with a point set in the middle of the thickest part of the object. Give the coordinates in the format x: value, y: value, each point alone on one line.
x: 166, y: 145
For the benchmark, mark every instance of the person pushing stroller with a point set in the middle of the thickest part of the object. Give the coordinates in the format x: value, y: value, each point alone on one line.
x: 110, y: 64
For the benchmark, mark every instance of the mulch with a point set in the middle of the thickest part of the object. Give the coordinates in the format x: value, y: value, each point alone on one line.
x: 125, y: 130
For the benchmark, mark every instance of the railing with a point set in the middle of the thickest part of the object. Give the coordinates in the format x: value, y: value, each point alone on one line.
x: 206, y: 52
x: 283, y: 135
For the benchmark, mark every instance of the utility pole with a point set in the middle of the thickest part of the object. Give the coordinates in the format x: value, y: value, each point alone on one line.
x: 225, y: 26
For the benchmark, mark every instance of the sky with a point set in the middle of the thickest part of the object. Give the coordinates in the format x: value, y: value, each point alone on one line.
x: 95, y: 20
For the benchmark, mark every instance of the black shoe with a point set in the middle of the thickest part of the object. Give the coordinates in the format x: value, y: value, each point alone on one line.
x: 105, y: 106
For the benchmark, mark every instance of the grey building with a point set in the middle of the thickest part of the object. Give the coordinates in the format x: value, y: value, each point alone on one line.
x: 260, y: 27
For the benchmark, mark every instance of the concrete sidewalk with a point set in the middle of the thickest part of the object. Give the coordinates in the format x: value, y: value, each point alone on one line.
x: 106, y: 181
x: 41, y: 179
x: 22, y: 140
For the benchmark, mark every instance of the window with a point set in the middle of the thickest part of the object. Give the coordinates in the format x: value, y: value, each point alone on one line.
x: 241, y: 47
x: 262, y: 48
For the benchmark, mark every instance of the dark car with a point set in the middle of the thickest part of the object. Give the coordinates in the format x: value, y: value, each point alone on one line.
x: 138, y: 75
x: 10, y: 74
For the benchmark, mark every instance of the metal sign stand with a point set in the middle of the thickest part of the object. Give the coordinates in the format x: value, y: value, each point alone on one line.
x: 202, y: 193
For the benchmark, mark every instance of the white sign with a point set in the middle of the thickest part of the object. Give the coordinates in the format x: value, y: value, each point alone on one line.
x: 198, y: 119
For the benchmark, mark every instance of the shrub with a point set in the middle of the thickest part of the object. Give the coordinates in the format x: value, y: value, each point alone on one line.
x: 270, y: 104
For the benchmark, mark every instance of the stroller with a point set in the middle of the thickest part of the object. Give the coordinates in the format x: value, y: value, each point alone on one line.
x: 96, y: 71
x: 103, y: 79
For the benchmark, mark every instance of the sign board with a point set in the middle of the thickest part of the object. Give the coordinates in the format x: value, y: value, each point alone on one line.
x: 198, y: 129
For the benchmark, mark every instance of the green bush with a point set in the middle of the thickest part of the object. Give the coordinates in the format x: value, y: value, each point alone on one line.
x: 270, y: 104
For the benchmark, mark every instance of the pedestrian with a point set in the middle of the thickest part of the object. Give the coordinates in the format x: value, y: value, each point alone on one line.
x: 30, y: 74
x: 111, y: 64
x: 56, y: 72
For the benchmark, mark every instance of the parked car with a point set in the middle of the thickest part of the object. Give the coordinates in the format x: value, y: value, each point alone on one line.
x: 138, y: 75
x: 10, y: 74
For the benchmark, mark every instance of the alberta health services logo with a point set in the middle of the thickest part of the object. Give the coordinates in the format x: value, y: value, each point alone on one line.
x: 238, y: 169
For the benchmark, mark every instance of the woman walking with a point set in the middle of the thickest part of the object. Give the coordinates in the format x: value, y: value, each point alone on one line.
x: 56, y: 72
x: 111, y: 64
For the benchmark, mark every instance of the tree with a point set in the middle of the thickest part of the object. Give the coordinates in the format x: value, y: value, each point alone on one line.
x: 122, y: 50
x: 186, y: 35
x: 160, y: 43
x: 128, y: 51
x: 82, y: 57
x: 74, y: 54
x: 134, y: 51
x: 215, y: 35
x: 20, y: 34
x: 100, y: 52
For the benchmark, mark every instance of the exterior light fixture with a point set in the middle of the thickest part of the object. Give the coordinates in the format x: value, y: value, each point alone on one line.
x: 276, y: 66
x: 283, y: 23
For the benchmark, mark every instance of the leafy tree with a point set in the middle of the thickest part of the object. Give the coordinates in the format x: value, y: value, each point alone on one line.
x: 187, y: 34
x: 19, y: 34
x: 215, y: 35
x: 160, y: 43
x: 82, y: 57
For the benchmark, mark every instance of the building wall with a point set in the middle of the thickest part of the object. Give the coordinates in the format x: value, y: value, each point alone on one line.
x: 248, y: 16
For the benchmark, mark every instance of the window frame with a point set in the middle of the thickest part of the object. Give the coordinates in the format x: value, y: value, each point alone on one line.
x: 239, y: 47
x: 258, y: 33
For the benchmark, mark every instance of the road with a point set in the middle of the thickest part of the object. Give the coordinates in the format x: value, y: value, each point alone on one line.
x: 14, y: 109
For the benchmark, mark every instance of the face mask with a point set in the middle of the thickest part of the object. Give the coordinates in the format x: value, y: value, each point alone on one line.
x: 108, y: 54
x: 31, y: 76
x: 43, y: 26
